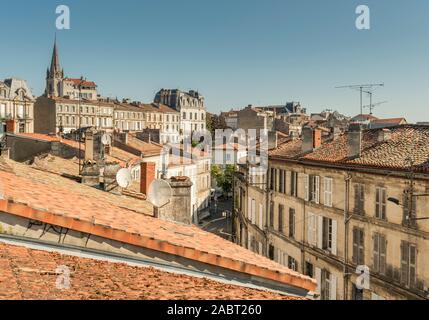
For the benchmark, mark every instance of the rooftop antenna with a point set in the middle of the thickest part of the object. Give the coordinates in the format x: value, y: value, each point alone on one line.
x: 373, y: 105
x: 363, y: 88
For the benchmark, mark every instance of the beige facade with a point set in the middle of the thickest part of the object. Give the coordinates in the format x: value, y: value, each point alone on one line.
x: 55, y: 115
x: 331, y: 222
x: 16, y: 106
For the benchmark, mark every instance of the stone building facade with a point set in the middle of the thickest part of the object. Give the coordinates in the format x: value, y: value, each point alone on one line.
x: 16, y: 107
x: 54, y: 115
x: 347, y: 206
x: 191, y: 106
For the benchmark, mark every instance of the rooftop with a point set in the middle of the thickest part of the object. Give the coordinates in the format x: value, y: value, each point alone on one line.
x: 49, y: 198
x: 27, y: 273
x: 391, y: 153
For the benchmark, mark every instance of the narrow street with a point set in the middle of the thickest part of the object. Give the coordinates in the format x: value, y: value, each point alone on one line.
x: 217, y: 223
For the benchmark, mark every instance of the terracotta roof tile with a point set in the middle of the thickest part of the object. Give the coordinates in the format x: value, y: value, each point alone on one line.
x: 38, y: 196
x: 32, y: 274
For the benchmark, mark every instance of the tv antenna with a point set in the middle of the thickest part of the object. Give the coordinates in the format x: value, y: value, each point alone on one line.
x: 362, y: 88
x: 373, y: 105
x: 123, y: 178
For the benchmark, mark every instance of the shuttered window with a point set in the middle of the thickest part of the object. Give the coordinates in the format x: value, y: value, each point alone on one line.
x: 358, y: 246
x: 328, y: 191
x: 294, y: 184
x: 359, y: 199
x: 380, y: 203
x: 408, y: 263
x: 291, y: 222
x: 272, y: 214
x: 281, y: 213
x: 379, y: 253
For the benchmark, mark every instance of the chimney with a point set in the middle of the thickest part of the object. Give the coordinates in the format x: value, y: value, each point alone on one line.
x: 11, y: 126
x: 89, y: 145
x: 311, y: 139
x: 180, y: 207
x: 384, y: 135
x: 355, y: 140
x: 317, y: 138
x: 272, y: 140
x: 147, y: 175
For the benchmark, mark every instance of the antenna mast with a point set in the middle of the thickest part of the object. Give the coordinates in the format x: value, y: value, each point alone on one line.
x: 362, y: 88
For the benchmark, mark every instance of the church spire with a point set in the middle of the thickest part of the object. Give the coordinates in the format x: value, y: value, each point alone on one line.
x: 55, y: 62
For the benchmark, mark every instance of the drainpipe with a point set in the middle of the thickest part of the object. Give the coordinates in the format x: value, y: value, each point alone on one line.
x: 347, y: 181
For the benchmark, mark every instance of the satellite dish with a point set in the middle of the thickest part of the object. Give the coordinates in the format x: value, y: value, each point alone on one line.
x: 159, y: 193
x: 106, y: 139
x: 123, y: 178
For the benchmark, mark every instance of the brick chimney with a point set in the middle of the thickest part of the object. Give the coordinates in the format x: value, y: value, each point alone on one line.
x: 147, y: 175
x: 355, y: 140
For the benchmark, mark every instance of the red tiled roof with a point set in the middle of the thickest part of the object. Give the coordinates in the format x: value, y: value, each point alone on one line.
x: 81, y: 82
x: 83, y: 212
x: 405, y: 141
x: 390, y: 121
x: 32, y: 274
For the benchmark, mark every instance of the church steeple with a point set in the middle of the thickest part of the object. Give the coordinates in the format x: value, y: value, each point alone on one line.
x: 54, y: 74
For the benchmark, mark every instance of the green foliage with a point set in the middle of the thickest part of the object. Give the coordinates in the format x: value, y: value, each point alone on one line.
x: 224, y: 177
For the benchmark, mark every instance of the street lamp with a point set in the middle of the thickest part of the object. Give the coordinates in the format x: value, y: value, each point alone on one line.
x: 398, y: 203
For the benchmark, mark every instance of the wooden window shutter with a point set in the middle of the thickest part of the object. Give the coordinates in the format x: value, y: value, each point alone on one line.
x: 333, y: 288
x: 412, y: 272
x: 306, y: 187
x: 376, y: 265
x: 377, y: 202
x: 383, y: 244
x: 320, y: 232
x: 404, y: 262
x: 355, y: 246
x: 319, y: 280
x: 334, y: 237
x: 317, y: 189
x: 361, y: 247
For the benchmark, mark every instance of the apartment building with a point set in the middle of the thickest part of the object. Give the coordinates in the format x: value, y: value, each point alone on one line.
x: 16, y: 106
x: 191, y: 106
x: 128, y: 117
x: 354, y: 203
x: 163, y: 118
x: 53, y: 115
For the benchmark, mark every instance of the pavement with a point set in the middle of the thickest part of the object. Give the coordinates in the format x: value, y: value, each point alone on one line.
x: 216, y: 223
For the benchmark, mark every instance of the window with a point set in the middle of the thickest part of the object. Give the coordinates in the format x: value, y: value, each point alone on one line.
x: 379, y: 253
x: 327, y: 234
x: 184, y: 115
x: 358, y: 246
x: 272, y: 214
x: 253, y: 212
x: 380, y: 203
x: 291, y: 222
x: 312, y: 229
x: 408, y: 263
x: 359, y: 197
x: 328, y: 192
x: 272, y: 178
x: 294, y: 184
x: 282, y: 186
x: 261, y: 216
x: 309, y: 269
x: 327, y: 284
x: 314, y: 188
x: 281, y: 212
x: 292, y: 264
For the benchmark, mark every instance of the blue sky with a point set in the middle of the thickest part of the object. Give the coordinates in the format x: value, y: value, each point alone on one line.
x: 235, y: 52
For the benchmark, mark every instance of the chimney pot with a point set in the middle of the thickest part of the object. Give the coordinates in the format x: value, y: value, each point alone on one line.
x: 355, y: 140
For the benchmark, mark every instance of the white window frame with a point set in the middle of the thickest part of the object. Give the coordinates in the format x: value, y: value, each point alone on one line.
x: 328, y: 184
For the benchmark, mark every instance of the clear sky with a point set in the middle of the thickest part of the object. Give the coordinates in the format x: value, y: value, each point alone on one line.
x: 235, y: 52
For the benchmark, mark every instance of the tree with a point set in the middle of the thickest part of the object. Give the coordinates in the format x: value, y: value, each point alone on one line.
x: 213, y: 122
x: 224, y: 177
